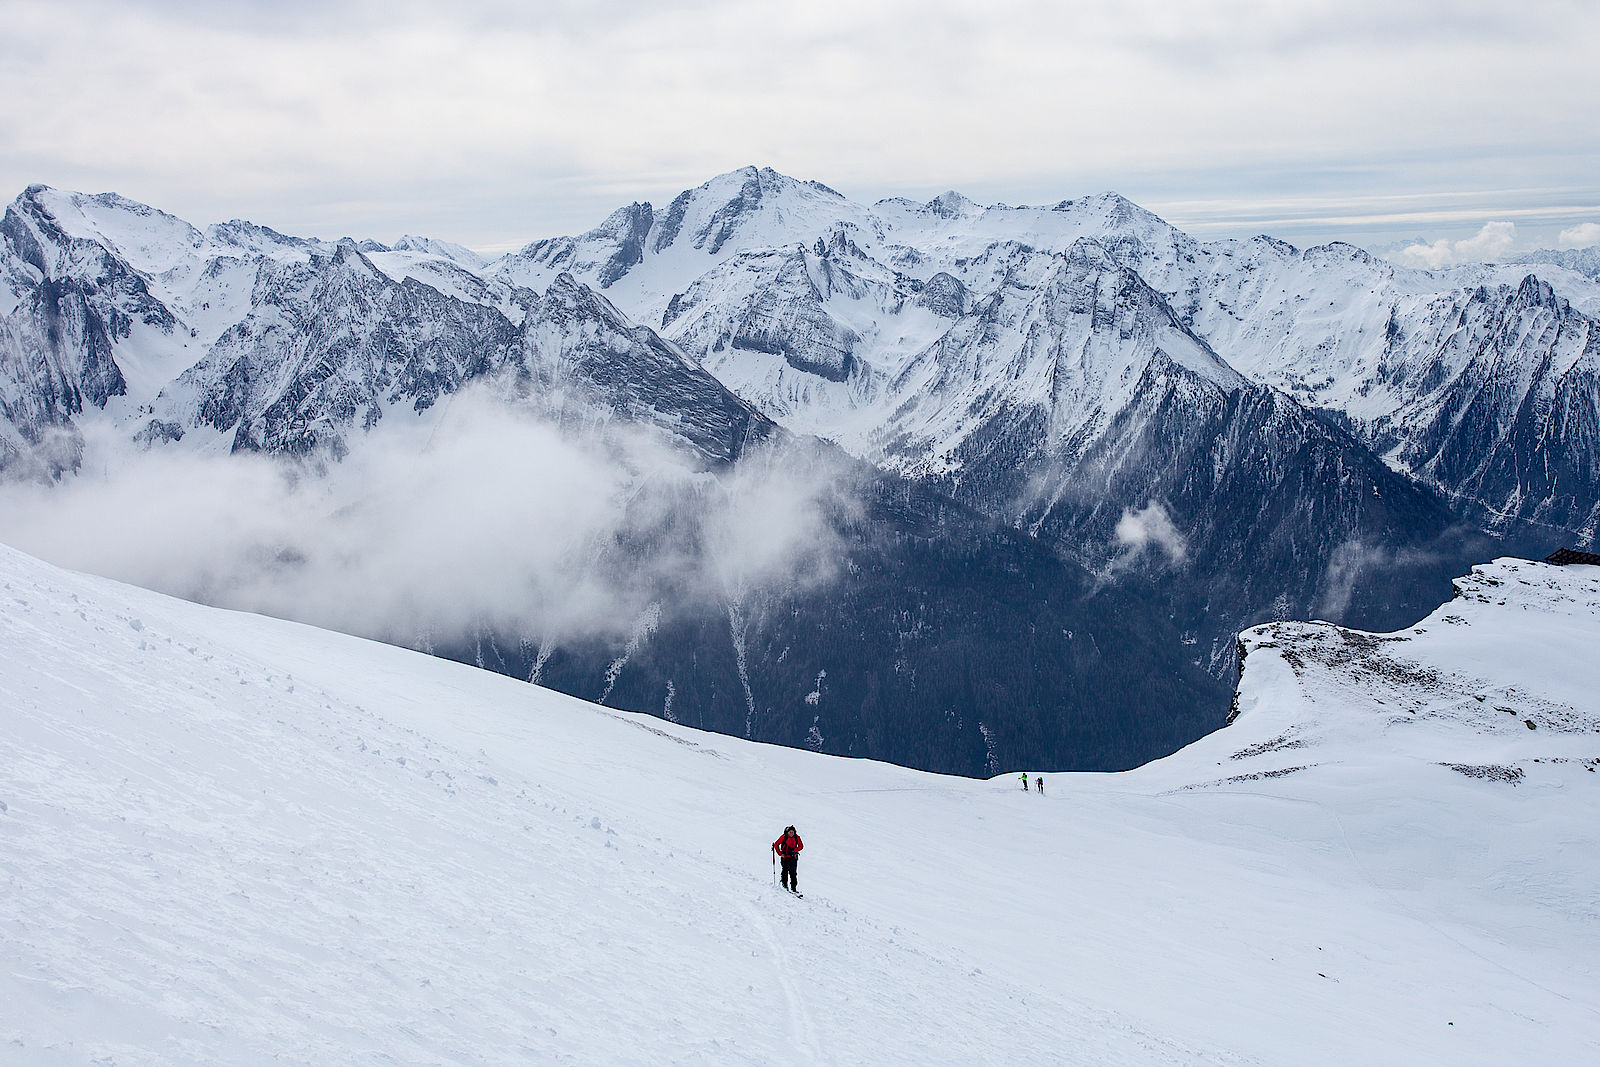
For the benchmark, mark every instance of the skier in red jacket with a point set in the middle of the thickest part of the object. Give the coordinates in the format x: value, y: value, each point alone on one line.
x: 788, y: 848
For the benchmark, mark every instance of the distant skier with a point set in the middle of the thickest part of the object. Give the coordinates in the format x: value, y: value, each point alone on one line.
x: 788, y: 848
x: 1039, y: 781
x: 1024, y: 781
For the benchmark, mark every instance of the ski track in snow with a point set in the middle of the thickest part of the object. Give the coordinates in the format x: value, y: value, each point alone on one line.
x: 800, y: 1027
x: 226, y: 839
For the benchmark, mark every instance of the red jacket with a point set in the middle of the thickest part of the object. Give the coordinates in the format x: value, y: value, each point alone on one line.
x: 788, y: 845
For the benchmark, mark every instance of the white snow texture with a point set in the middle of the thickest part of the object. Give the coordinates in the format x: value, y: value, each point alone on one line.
x: 230, y: 839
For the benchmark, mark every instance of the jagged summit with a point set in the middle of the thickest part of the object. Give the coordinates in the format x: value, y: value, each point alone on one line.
x: 649, y: 254
x: 1532, y: 292
x: 1276, y: 244
x: 252, y: 237
x: 456, y: 253
x: 1583, y: 261
x: 951, y: 205
x: 1111, y: 206
x: 769, y: 178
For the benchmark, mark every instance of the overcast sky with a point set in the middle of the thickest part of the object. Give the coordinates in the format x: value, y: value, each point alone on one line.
x: 492, y: 122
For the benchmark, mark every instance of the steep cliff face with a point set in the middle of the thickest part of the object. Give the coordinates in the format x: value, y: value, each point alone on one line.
x: 606, y: 252
x: 331, y: 343
x: 574, y: 341
x: 59, y: 354
x: 1501, y: 412
x: 64, y: 302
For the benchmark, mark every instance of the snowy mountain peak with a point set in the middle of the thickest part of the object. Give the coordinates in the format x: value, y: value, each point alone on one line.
x: 1344, y: 253
x: 1092, y: 281
x: 1532, y: 292
x: 1116, y: 209
x: 566, y: 291
x: 627, y: 228
x: 952, y: 205
x: 649, y: 257
x: 752, y: 207
x: 458, y: 254
x: 245, y: 236
x: 774, y: 181
x: 148, y: 239
x: 347, y: 254
x: 1275, y: 245
x: 632, y: 221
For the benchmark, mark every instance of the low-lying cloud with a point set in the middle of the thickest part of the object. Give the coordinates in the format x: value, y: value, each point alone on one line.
x: 487, y: 519
x: 1487, y: 245
x: 1147, y: 532
x: 1354, y: 563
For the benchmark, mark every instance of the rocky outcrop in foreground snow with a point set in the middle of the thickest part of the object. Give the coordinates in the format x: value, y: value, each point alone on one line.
x: 1497, y: 685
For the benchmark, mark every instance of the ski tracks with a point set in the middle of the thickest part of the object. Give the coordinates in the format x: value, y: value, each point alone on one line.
x: 800, y: 1025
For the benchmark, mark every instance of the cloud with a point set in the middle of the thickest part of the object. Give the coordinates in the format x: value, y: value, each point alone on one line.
x: 770, y: 521
x: 1150, y: 529
x: 1487, y: 245
x: 1346, y: 565
x: 490, y: 122
x: 1354, y: 563
x: 489, y: 519
x: 1583, y: 235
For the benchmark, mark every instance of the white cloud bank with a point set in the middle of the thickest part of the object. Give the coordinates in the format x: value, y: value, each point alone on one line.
x: 494, y: 520
x: 1583, y: 235
x: 1487, y: 245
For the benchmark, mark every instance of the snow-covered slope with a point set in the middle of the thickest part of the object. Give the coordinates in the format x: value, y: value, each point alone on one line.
x: 230, y: 839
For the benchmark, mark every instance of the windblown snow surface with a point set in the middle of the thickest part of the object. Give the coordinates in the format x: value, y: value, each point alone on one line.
x: 230, y: 839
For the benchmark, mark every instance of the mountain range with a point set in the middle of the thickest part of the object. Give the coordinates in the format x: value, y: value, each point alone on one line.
x: 1076, y: 449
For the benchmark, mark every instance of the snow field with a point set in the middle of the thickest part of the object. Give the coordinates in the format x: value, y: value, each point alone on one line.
x: 227, y: 839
